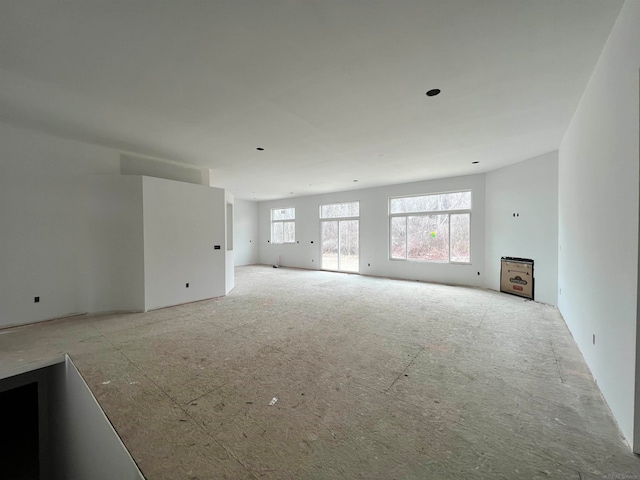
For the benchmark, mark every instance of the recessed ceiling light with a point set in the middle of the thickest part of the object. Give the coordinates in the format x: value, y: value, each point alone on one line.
x: 433, y: 92
x: 355, y: 181
x: 290, y: 193
x: 475, y: 162
x: 260, y: 148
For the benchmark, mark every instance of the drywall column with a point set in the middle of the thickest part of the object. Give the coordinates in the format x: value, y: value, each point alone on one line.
x: 598, y: 222
x: 522, y: 221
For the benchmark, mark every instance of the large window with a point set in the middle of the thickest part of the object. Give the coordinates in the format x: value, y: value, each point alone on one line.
x: 431, y: 228
x: 283, y: 225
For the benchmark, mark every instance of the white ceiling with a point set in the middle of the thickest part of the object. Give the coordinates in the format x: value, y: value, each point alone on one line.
x: 333, y: 90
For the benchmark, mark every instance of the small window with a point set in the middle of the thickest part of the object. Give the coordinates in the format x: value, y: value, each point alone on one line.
x: 431, y: 228
x: 283, y: 225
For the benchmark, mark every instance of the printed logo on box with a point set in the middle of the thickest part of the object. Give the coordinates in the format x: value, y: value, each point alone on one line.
x: 518, y: 280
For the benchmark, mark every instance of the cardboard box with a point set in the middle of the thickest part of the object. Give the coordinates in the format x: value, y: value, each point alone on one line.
x: 516, y: 277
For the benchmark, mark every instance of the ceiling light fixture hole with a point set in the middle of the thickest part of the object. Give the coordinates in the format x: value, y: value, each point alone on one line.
x: 260, y: 148
x: 433, y: 92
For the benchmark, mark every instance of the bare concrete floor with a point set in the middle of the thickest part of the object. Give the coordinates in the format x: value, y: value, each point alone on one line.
x: 374, y: 379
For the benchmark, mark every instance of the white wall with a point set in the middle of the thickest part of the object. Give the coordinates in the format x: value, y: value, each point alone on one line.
x: 114, y: 263
x: 598, y: 220
x: 42, y: 223
x: 182, y: 224
x: 77, y: 240
x: 245, y: 232
x: 374, y: 232
x: 42, y: 243
x: 530, y: 190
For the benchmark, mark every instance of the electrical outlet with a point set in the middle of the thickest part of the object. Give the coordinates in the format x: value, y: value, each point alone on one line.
x: 36, y: 299
x: 187, y: 285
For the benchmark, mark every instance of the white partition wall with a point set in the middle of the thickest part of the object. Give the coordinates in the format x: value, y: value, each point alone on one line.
x: 183, y: 225
x: 79, y: 237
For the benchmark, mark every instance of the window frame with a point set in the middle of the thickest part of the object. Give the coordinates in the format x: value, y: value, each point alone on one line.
x: 290, y: 220
x: 448, y: 213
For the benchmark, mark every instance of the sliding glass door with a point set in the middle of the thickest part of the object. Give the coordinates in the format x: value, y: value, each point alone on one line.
x: 340, y: 237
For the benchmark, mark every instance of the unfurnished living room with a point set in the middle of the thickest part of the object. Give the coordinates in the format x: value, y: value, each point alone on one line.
x: 312, y: 239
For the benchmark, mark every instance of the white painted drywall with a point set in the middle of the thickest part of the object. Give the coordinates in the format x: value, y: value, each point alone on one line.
x: 133, y: 165
x: 245, y: 232
x: 229, y: 265
x: 374, y: 232
x: 528, y: 189
x: 42, y: 240
x: 23, y: 151
x: 598, y: 221
x: 83, y: 443
x: 182, y: 224
x: 114, y: 260
x: 43, y: 225
x: 77, y: 240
